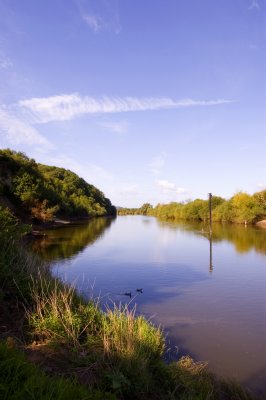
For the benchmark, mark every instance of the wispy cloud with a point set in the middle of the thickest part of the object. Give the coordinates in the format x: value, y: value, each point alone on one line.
x: 170, y: 187
x: 16, y: 131
x: 17, y: 120
x: 93, y: 21
x: 69, y: 106
x: 157, y: 163
x: 118, y: 127
x: 5, y: 61
x: 254, y: 5
x: 100, y: 15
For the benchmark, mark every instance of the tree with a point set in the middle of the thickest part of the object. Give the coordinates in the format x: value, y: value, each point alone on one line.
x: 145, y: 208
x: 246, y: 208
x: 26, y: 187
x: 41, y: 212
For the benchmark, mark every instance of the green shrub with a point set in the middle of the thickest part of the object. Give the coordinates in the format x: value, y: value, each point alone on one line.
x: 10, y: 226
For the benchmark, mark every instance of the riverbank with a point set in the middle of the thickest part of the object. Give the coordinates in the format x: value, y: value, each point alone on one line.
x: 37, y: 231
x: 262, y: 224
x: 111, y: 354
x: 58, y: 222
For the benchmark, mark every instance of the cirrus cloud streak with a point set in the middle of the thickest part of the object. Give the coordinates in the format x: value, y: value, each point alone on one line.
x: 70, y: 106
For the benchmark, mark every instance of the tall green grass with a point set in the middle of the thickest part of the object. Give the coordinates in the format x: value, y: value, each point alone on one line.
x: 60, y: 315
x: 125, y: 346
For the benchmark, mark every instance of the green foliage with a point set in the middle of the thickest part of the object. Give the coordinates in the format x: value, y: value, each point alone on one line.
x: 195, y: 380
x: 261, y: 198
x: 241, y: 208
x: 247, y: 208
x: 41, y: 190
x: 62, y: 317
x: 26, y: 187
x: 20, y: 380
x: 197, y: 383
x: 145, y: 209
x: 128, y: 211
x: 224, y: 212
x: 10, y: 226
x: 131, y: 337
x: 17, y: 269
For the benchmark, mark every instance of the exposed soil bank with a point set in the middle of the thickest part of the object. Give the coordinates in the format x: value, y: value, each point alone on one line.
x: 261, y: 224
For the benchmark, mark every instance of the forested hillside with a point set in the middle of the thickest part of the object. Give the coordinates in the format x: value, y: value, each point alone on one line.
x: 39, y: 192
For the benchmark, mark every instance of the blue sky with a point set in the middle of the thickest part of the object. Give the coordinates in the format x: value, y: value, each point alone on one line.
x: 149, y: 100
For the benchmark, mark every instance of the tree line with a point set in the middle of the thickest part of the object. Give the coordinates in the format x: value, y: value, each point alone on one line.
x: 240, y: 208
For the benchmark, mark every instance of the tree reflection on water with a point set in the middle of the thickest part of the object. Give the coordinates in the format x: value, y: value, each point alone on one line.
x: 68, y: 241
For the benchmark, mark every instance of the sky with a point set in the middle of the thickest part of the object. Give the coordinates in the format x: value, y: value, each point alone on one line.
x: 149, y: 100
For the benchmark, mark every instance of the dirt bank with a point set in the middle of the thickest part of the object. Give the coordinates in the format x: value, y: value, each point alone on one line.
x: 261, y: 224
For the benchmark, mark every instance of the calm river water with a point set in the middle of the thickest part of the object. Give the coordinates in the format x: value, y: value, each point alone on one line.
x: 209, y: 295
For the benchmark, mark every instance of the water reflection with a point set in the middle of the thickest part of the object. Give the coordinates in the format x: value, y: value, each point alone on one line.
x: 211, y: 264
x: 244, y: 238
x: 68, y: 241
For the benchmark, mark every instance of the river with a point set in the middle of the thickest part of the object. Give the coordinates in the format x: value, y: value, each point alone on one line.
x: 209, y: 294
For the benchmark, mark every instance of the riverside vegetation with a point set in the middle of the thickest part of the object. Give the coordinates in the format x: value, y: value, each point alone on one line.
x: 54, y: 344
x: 241, y: 208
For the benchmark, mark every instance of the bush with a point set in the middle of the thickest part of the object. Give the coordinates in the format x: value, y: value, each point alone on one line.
x: 10, y: 226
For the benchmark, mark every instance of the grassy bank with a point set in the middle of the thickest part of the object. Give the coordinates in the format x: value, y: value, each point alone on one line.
x: 56, y: 345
